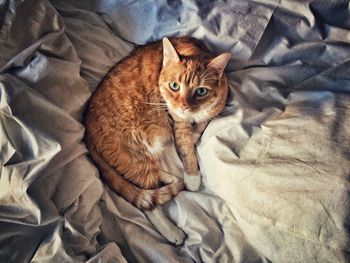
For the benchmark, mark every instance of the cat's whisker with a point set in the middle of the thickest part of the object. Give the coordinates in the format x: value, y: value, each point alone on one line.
x: 206, y: 71
x: 206, y: 74
x: 159, y: 109
x: 210, y: 79
x: 207, y: 77
x: 153, y: 103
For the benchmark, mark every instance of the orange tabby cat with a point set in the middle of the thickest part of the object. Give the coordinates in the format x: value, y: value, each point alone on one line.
x: 160, y: 92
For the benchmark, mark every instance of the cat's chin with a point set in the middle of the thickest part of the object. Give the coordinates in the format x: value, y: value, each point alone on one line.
x: 190, y: 116
x: 181, y: 116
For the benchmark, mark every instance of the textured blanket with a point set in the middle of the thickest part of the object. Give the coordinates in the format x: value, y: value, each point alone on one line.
x: 275, y: 164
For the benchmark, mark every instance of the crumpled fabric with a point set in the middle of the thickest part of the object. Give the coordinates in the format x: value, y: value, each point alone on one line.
x: 275, y: 164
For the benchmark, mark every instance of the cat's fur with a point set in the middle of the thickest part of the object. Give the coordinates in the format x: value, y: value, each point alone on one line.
x: 133, y: 113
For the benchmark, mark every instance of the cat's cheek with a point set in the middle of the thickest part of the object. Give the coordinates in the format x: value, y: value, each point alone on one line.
x: 166, y: 96
x: 163, y: 91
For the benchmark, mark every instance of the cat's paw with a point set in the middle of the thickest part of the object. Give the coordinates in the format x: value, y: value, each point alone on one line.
x: 192, y: 182
x: 172, y: 233
x: 177, y: 236
x: 165, y: 227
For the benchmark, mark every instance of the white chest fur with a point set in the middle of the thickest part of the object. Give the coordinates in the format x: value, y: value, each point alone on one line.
x: 156, y: 148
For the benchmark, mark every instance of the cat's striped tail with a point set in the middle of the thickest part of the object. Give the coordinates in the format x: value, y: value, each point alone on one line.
x: 142, y: 198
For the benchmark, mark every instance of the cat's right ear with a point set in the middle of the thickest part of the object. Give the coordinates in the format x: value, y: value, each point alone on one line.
x: 169, y: 53
x: 219, y: 63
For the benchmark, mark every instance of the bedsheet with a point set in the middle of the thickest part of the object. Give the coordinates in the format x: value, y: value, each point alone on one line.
x: 275, y: 164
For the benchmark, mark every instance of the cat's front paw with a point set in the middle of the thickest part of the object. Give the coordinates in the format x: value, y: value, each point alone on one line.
x: 177, y: 237
x: 192, y: 182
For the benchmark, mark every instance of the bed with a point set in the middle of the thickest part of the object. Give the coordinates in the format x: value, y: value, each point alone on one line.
x: 275, y: 163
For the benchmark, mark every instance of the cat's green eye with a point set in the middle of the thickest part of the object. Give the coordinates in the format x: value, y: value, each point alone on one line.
x: 201, y: 91
x: 174, y: 86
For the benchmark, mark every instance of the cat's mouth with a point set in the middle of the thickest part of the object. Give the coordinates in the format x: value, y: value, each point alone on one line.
x: 187, y: 114
x: 181, y: 113
x: 185, y: 111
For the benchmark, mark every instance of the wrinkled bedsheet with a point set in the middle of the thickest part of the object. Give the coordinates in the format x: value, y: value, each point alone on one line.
x: 275, y: 164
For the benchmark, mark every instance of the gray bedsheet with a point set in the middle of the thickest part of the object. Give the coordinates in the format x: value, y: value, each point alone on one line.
x: 275, y: 164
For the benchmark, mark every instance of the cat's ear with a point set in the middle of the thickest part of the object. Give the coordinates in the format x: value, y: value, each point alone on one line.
x: 169, y: 53
x: 219, y: 63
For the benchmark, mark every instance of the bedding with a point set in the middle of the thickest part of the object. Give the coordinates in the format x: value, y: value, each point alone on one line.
x: 275, y: 164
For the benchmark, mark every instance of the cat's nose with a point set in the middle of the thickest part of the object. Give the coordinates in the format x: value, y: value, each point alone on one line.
x: 184, y: 106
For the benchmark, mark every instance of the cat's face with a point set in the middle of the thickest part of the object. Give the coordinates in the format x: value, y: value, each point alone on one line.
x: 193, y: 88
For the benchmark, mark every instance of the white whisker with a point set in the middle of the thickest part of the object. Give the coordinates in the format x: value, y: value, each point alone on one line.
x: 160, y: 106
x: 153, y: 103
x: 207, y: 73
x: 210, y: 79
x: 158, y: 110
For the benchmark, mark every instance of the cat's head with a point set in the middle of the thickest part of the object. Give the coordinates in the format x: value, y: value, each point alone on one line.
x: 194, y: 89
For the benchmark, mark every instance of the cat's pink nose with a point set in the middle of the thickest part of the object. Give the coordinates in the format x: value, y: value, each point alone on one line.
x: 184, y: 107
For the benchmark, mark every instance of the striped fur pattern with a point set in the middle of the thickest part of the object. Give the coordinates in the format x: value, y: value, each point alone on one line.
x: 133, y: 113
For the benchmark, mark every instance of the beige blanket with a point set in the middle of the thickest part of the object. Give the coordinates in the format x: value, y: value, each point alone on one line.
x: 275, y: 164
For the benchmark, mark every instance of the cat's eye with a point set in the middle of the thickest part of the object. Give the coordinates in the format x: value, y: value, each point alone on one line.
x: 174, y: 86
x: 201, y: 91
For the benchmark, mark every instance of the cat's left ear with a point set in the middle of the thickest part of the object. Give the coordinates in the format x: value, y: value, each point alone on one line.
x: 219, y: 63
x: 169, y: 53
